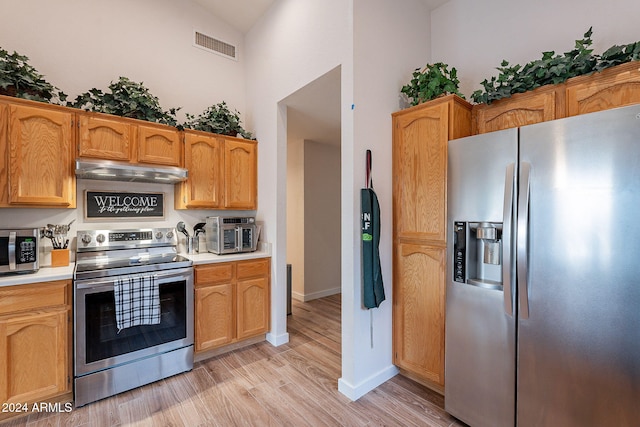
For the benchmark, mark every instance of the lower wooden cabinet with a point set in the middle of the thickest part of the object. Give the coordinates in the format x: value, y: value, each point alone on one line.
x: 35, y: 342
x: 215, y: 316
x: 252, y: 298
x: 419, y: 311
x: 232, y: 302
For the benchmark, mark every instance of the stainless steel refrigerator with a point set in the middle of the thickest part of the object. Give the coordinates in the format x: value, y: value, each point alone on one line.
x: 543, y: 274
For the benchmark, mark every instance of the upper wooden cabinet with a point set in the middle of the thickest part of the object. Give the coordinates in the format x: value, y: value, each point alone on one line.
x: 420, y: 136
x: 614, y: 87
x: 4, y: 155
x: 240, y: 173
x: 522, y: 109
x: 222, y: 173
x: 39, y: 143
x: 102, y: 136
x: 37, y: 146
x: 203, y: 157
x: 159, y: 145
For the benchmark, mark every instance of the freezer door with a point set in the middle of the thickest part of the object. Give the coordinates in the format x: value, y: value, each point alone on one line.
x: 480, y: 331
x: 579, y: 346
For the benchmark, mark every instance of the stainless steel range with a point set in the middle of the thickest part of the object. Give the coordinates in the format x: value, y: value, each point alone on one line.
x: 133, y: 311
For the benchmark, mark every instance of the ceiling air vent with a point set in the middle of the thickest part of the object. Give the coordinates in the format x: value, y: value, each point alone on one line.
x: 214, y: 45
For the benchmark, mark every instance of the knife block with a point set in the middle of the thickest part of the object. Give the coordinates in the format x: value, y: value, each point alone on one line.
x: 59, y: 257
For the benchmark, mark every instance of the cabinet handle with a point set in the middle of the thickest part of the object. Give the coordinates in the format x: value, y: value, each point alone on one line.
x: 12, y: 250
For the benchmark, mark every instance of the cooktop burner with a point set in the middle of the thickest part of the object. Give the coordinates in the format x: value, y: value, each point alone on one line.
x: 105, y: 253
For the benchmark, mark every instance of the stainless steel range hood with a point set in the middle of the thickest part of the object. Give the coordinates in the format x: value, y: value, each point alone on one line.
x: 107, y: 170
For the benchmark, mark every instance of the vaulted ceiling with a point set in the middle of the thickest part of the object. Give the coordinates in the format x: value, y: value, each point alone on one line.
x: 242, y: 14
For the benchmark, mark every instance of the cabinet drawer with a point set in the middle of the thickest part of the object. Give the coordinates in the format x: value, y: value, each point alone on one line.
x: 34, y: 296
x: 213, y: 273
x: 254, y: 268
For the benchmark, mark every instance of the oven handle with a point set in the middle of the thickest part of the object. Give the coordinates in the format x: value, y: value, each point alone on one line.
x: 12, y: 250
x: 96, y: 284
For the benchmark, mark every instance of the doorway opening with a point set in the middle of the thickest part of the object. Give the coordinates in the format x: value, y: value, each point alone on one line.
x: 313, y: 195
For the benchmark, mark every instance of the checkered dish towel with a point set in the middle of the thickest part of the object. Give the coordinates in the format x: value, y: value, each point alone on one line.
x: 137, y: 299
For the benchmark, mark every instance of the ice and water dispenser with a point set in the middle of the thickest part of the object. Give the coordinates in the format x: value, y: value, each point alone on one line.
x: 477, y: 253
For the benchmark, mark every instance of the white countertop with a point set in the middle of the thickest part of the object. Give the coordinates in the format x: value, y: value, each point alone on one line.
x: 209, y: 258
x: 44, y: 274
x: 47, y: 274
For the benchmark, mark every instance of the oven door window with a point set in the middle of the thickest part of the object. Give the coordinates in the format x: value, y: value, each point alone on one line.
x: 247, y: 238
x: 102, y: 338
x: 4, y: 250
x: 229, y: 238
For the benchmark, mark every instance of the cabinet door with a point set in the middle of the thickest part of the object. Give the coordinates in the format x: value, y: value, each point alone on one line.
x: 418, y: 311
x: 420, y: 171
x: 33, y: 356
x: 4, y: 155
x: 105, y: 138
x: 203, y: 158
x: 41, y: 155
x: 214, y: 316
x: 253, y: 307
x: 520, y: 110
x: 614, y: 87
x: 159, y: 146
x: 240, y: 174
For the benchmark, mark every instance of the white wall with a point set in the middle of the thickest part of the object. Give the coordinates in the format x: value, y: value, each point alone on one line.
x: 322, y: 272
x: 313, y: 218
x: 390, y: 40
x: 81, y: 44
x: 476, y: 36
x: 295, y: 215
x: 294, y: 43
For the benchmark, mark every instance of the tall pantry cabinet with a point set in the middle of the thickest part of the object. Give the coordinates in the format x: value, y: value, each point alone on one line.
x: 420, y: 136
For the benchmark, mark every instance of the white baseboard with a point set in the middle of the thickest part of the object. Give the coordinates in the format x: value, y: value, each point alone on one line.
x: 355, y: 392
x: 315, y: 295
x: 277, y: 340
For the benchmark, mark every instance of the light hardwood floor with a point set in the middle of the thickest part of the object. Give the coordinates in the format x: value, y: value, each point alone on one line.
x: 292, y: 385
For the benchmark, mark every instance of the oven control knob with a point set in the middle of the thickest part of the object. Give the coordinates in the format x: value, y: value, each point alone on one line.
x: 159, y: 235
x: 169, y: 234
x: 100, y: 238
x: 86, y: 239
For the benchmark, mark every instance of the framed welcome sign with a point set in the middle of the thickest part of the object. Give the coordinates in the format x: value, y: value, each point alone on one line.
x: 123, y: 205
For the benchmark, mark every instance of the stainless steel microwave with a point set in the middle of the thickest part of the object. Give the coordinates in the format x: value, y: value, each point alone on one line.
x: 227, y: 235
x: 19, y: 250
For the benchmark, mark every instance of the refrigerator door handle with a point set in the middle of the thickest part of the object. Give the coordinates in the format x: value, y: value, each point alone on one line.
x: 507, y: 239
x: 523, y: 240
